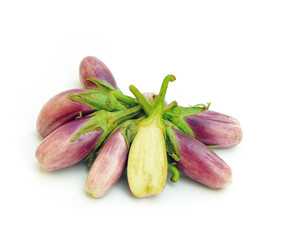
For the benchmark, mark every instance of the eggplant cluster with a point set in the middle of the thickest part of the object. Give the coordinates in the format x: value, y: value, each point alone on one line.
x: 112, y: 132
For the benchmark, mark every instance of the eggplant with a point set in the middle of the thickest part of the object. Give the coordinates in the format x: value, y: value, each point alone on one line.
x: 59, y: 110
x: 58, y: 151
x: 215, y: 129
x: 147, y: 163
x: 212, y: 128
x: 92, y: 67
x: 200, y: 163
x: 73, y: 103
x: 108, y: 166
x: 147, y: 166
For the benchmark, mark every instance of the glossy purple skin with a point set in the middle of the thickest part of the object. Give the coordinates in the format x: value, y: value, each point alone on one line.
x: 60, y: 110
x: 58, y: 152
x: 202, y: 164
x: 217, y: 129
x: 108, y: 166
x: 92, y: 67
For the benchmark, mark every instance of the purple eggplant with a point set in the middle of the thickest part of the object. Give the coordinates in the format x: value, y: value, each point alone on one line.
x: 212, y: 128
x: 57, y: 151
x: 216, y: 129
x: 200, y: 163
x: 92, y: 67
x: 108, y: 166
x: 59, y: 110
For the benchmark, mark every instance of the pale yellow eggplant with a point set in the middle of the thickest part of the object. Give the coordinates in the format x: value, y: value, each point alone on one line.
x: 147, y: 163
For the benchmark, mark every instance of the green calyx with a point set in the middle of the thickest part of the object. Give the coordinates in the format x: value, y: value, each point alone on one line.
x: 171, y: 141
x: 101, y: 85
x: 110, y: 114
x: 104, y: 87
x: 98, y: 100
x: 129, y: 129
x: 177, y: 115
x: 106, y: 122
x: 105, y: 97
x: 124, y: 99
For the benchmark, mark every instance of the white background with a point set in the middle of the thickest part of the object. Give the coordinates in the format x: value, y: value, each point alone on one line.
x: 234, y: 54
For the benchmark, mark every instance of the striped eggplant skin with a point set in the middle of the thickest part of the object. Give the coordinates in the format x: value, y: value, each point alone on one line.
x: 57, y: 151
x: 108, y: 166
x: 201, y: 163
x: 216, y: 129
x: 92, y: 67
x: 60, y: 110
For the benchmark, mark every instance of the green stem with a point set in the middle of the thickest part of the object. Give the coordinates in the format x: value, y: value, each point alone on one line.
x: 159, y: 102
x: 141, y: 100
x: 98, y: 100
x: 123, y: 98
x: 175, y: 172
x: 101, y: 85
x: 122, y: 116
x: 161, y: 97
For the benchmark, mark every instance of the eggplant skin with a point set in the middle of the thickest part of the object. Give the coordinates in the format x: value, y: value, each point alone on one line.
x: 57, y: 151
x: 216, y: 129
x: 59, y: 110
x: 108, y: 166
x: 92, y: 67
x: 201, y: 163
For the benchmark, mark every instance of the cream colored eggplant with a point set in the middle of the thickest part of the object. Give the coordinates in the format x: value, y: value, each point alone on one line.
x: 147, y: 167
x: 147, y: 162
